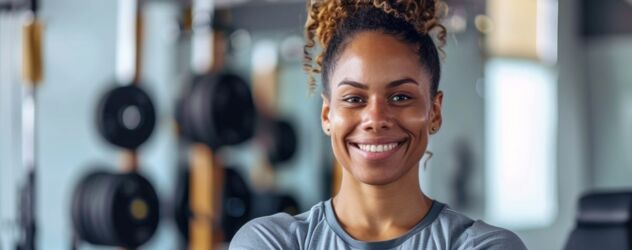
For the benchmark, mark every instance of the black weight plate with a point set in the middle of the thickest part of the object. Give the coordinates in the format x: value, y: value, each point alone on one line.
x: 283, y: 142
x: 135, y: 210
x: 180, y: 117
x: 222, y: 111
x: 102, y: 214
x: 199, y: 110
x: 181, y: 201
x: 184, y: 113
x: 233, y: 110
x: 99, y: 210
x: 79, y: 207
x: 94, y: 206
x: 236, y: 202
x: 126, y: 116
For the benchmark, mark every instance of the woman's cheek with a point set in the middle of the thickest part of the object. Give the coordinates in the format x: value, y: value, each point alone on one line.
x: 341, y: 120
x: 417, y: 122
x: 341, y: 126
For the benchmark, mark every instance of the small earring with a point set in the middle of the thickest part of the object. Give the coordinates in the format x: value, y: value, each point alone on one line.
x: 433, y: 130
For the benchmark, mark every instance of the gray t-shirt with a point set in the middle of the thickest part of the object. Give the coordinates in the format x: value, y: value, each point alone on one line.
x: 318, y: 228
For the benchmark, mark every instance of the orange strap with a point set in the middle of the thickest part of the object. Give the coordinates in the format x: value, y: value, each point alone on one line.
x: 32, y: 67
x: 206, y: 188
x: 129, y: 161
x: 138, y: 42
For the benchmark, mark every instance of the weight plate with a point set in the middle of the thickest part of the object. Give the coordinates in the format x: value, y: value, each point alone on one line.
x: 283, y: 142
x: 218, y: 111
x: 135, y: 210
x: 80, y: 208
x: 234, y: 111
x: 236, y: 202
x: 184, y: 113
x: 182, y: 209
x: 115, y: 209
x: 126, y: 116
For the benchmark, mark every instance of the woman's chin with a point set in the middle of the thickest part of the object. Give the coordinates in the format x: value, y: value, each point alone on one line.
x: 380, y: 176
x: 376, y: 178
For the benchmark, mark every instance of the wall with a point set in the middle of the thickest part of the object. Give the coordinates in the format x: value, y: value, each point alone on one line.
x: 608, y: 66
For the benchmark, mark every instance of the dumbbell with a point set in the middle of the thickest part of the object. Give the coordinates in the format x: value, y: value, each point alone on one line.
x: 217, y: 110
x: 236, y: 203
x: 115, y: 209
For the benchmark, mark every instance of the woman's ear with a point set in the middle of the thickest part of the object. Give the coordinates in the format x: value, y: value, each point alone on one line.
x: 324, y: 115
x: 436, y: 118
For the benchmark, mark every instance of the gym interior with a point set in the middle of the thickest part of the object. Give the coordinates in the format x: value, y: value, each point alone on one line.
x: 168, y: 124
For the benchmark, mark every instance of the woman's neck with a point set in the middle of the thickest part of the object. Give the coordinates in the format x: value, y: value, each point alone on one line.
x: 377, y: 213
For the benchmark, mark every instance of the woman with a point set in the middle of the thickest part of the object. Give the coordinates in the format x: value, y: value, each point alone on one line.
x: 380, y: 71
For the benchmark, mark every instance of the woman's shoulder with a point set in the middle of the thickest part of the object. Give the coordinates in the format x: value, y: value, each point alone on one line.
x: 277, y: 230
x: 477, y: 234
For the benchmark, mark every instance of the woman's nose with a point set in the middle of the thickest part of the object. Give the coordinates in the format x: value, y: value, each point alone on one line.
x: 376, y: 116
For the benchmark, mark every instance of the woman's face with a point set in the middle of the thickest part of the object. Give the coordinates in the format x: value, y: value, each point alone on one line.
x: 379, y: 112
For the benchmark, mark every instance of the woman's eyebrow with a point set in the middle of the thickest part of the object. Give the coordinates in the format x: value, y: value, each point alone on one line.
x: 392, y: 84
x: 353, y: 84
x: 396, y: 83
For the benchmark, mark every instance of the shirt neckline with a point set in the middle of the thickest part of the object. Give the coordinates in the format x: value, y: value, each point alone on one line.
x: 331, y: 219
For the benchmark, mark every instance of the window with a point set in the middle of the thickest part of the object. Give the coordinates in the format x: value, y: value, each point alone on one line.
x: 521, y: 122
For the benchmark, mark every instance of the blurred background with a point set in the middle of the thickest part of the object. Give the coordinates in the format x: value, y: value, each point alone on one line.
x: 537, y: 112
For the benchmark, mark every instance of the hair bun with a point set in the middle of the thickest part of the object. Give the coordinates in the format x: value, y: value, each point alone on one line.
x: 323, y: 17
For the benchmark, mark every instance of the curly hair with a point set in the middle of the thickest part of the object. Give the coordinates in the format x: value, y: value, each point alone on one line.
x: 332, y: 23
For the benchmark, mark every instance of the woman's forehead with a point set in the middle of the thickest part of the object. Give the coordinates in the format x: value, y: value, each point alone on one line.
x: 374, y: 57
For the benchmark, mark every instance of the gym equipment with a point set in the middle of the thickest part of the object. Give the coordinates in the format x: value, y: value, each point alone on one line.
x: 236, y: 203
x: 120, y: 209
x: 269, y: 203
x: 126, y: 116
x: 217, y: 110
x: 32, y: 72
x: 115, y: 209
x: 182, y: 210
x: 604, y: 221
x: 281, y: 142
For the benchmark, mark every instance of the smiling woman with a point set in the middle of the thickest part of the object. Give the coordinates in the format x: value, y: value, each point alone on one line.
x: 380, y: 71
x: 379, y: 97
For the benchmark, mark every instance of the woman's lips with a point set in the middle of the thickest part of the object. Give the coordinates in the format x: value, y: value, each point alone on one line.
x: 377, y: 151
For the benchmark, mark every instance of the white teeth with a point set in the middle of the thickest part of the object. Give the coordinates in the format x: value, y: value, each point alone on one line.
x: 377, y: 148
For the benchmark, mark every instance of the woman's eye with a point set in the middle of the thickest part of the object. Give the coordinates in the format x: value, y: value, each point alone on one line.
x: 400, y: 98
x: 353, y: 99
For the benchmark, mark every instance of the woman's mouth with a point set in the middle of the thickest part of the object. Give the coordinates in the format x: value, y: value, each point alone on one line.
x: 377, y: 148
x: 377, y: 151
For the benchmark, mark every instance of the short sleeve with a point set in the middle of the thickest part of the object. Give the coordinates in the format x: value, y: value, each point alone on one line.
x: 483, y: 236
